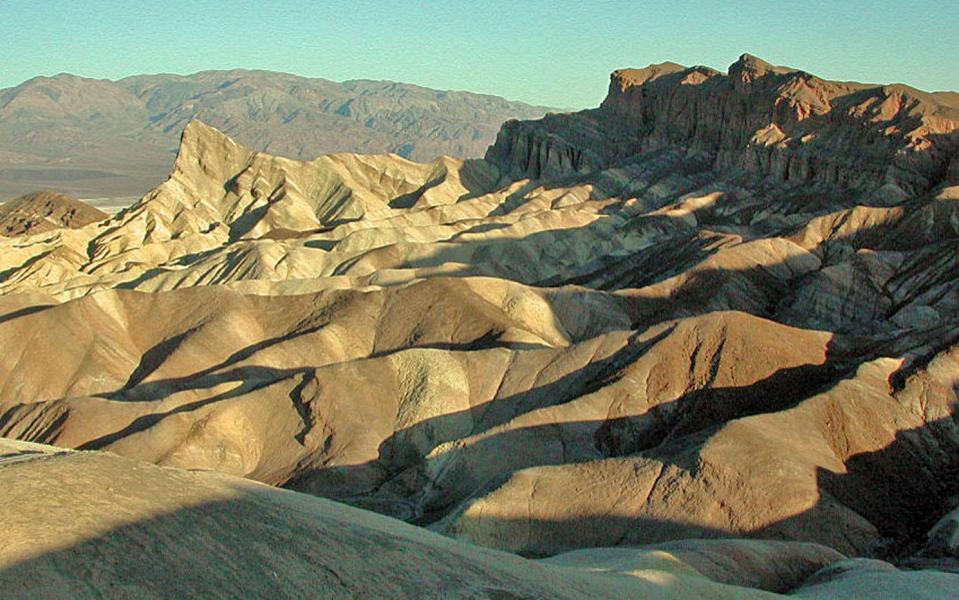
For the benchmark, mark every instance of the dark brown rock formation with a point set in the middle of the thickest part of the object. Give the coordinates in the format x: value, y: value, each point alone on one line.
x: 44, y: 211
x: 782, y: 124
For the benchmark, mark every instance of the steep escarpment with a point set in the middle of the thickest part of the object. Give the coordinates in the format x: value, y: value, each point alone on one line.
x: 781, y: 124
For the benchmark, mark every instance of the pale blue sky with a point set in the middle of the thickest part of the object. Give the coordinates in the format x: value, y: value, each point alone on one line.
x: 558, y: 53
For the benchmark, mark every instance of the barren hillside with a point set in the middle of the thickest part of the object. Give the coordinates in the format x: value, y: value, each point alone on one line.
x: 720, y: 305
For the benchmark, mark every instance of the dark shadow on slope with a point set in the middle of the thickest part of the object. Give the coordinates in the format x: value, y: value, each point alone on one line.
x: 902, y: 490
x: 33, y: 260
x: 401, y: 456
x: 22, y: 312
x: 247, y: 380
x: 407, y: 200
x: 154, y: 357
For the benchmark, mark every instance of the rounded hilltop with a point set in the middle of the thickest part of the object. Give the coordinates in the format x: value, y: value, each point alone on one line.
x: 44, y: 211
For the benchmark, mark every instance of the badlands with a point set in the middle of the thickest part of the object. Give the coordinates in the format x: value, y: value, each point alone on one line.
x: 700, y: 341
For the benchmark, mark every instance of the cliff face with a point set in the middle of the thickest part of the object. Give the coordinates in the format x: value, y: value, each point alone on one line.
x: 781, y: 124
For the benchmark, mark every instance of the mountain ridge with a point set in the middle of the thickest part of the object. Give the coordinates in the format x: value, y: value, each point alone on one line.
x: 757, y: 117
x: 99, y: 138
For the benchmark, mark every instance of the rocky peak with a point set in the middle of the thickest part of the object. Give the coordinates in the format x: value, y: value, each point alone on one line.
x: 200, y: 144
x: 749, y: 68
x: 774, y: 122
x: 624, y: 79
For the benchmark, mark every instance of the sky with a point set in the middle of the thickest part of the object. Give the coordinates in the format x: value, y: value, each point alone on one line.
x: 557, y: 53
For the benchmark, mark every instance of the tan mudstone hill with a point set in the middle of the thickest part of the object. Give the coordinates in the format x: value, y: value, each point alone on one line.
x: 41, y: 212
x: 718, y: 306
x: 94, y: 525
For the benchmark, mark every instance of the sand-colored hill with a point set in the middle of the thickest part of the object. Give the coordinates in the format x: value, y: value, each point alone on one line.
x: 721, y: 305
x: 150, y: 532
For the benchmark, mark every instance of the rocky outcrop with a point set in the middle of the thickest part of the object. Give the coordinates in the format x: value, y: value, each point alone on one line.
x: 41, y: 212
x: 783, y: 125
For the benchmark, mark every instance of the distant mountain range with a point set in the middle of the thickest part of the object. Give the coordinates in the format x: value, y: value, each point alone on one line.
x: 100, y: 138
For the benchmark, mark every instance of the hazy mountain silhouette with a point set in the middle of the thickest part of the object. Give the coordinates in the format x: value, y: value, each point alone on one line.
x: 96, y: 138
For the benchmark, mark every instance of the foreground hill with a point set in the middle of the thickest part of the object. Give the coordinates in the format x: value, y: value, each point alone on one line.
x: 149, y: 532
x: 721, y: 305
x: 44, y: 211
x: 97, y: 138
